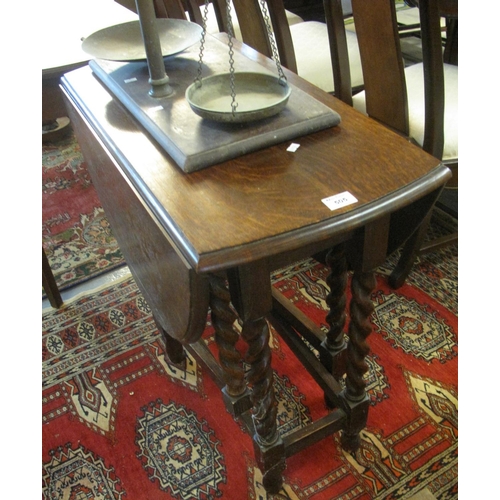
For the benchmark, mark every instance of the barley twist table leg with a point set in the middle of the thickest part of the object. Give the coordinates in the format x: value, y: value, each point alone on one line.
x: 361, y: 308
x: 250, y: 287
x: 269, y: 448
x: 260, y: 379
x: 336, y: 300
x: 223, y: 318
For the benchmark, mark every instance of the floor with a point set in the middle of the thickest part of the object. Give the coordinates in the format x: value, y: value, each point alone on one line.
x: 90, y: 285
x: 108, y: 278
x: 423, y: 495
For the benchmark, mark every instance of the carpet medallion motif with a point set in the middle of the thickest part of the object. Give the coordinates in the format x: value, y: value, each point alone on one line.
x: 107, y: 381
x: 180, y: 451
x: 92, y: 399
x: 413, y: 327
x: 79, y: 474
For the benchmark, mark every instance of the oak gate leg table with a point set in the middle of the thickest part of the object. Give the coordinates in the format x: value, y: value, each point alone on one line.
x: 209, y: 239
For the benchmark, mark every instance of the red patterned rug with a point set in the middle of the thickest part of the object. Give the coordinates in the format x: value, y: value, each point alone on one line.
x: 120, y: 422
x: 75, y: 232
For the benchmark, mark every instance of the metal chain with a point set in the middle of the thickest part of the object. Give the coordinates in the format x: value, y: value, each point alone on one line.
x: 272, y: 41
x: 202, y: 43
x: 230, y: 36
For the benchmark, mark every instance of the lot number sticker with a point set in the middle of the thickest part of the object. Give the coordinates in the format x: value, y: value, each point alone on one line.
x: 339, y: 200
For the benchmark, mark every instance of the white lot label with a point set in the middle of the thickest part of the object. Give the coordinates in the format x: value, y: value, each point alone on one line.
x: 155, y: 109
x: 339, y: 200
x: 293, y: 147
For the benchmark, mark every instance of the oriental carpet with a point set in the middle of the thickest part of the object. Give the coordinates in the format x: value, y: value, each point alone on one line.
x: 75, y: 232
x: 120, y: 421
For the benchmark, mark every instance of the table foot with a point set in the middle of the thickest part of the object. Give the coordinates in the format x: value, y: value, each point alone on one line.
x: 55, y: 129
x: 271, y: 461
x: 350, y: 439
x: 350, y: 443
x: 173, y: 348
x: 49, y: 283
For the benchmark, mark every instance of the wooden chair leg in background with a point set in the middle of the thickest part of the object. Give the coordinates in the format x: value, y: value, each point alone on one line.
x: 409, y: 254
x: 49, y: 283
x: 417, y: 244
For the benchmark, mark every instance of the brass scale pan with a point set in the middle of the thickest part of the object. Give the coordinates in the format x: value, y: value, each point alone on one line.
x: 259, y: 95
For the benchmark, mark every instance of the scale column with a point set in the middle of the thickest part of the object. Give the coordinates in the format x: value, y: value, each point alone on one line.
x: 158, y: 77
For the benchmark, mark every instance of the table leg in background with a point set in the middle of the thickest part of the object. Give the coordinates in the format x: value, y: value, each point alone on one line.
x: 333, y: 354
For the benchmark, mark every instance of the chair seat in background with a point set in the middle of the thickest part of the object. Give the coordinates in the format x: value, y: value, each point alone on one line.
x: 311, y: 46
x: 312, y: 52
x: 213, y: 27
x: 416, y: 107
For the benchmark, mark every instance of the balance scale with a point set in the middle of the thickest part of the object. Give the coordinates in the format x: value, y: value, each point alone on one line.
x: 187, y: 91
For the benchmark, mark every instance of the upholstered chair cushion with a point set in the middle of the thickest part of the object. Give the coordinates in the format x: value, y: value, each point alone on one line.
x: 213, y: 27
x: 312, y: 49
x: 416, y: 106
x: 312, y: 52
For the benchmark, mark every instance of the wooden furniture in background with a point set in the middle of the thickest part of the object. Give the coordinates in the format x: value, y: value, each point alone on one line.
x: 194, y: 10
x: 49, y: 283
x: 305, y: 48
x: 65, y: 24
x: 175, y: 9
x: 419, y: 101
x: 212, y: 238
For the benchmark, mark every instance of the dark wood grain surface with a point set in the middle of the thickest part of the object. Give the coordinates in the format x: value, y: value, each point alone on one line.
x: 268, y: 201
